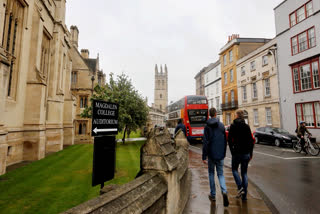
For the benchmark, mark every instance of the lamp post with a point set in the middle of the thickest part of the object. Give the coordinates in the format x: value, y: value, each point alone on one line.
x: 92, y: 80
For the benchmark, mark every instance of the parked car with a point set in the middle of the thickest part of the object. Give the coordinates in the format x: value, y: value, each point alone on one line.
x: 273, y: 135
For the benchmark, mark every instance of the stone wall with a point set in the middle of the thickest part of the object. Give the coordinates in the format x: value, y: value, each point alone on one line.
x: 162, y: 187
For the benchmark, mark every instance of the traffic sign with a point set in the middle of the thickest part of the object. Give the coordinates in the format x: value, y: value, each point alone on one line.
x: 104, y: 118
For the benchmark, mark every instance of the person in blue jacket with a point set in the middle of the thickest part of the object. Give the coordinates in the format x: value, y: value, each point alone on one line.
x: 180, y: 126
x: 214, y: 148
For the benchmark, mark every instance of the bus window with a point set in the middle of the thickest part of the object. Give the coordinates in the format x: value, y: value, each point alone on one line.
x: 196, y: 100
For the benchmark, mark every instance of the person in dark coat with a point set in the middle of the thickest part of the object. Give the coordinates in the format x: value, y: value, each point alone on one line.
x: 241, y: 146
x: 180, y: 126
x: 214, y: 148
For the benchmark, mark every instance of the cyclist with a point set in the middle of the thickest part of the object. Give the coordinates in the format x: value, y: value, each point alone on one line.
x: 301, y: 131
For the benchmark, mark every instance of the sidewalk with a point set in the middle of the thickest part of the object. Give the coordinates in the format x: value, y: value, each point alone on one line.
x: 199, y: 202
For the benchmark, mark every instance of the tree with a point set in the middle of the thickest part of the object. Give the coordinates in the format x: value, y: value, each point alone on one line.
x: 133, y: 109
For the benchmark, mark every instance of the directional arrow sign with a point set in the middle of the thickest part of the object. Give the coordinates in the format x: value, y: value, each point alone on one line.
x: 104, y: 118
x: 96, y: 130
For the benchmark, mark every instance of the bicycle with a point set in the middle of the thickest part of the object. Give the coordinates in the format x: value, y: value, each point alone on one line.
x: 311, y: 148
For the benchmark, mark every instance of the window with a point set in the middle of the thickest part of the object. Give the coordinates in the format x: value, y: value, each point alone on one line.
x: 265, y: 60
x: 217, y: 103
x: 74, y: 77
x: 99, y: 80
x: 243, y: 71
x: 253, y: 65
x: 230, y: 56
x: 302, y: 38
x: 44, y: 63
x: 311, y: 38
x: 225, y: 60
x: 294, y: 45
x: 225, y: 78
x: 231, y: 75
x: 310, y: 113
x: 160, y: 96
x: 255, y: 117
x: 217, y: 72
x: 267, y: 91
x: 306, y: 75
x: 226, y: 97
x: 309, y: 8
x: 293, y: 19
x: 82, y: 128
x: 83, y: 101
x: 317, y: 112
x: 296, y: 79
x: 163, y: 83
x: 228, y: 118
x: 316, y: 77
x: 303, y: 41
x: 254, y: 90
x: 268, y: 116
x: 11, y: 34
x: 232, y: 98
x: 244, y: 93
x: 217, y: 87
x: 300, y: 14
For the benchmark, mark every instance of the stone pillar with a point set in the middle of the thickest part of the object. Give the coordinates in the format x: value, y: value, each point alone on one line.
x: 3, y: 90
x: 169, y: 158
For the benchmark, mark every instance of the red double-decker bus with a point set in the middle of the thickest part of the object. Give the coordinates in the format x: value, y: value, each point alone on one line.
x: 193, y: 110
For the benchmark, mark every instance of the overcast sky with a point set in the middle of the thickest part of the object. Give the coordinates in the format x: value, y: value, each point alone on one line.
x: 131, y: 36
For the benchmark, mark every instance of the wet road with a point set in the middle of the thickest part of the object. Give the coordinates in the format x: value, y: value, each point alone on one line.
x: 290, y: 180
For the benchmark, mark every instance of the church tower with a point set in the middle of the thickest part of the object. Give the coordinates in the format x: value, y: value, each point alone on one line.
x: 161, y: 88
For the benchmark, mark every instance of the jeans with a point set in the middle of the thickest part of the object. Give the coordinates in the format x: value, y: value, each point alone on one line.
x: 219, y: 166
x: 242, y: 160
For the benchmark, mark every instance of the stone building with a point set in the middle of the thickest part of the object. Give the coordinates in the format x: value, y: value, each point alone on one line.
x: 161, y: 88
x: 298, y: 36
x: 36, y: 105
x: 235, y: 49
x: 157, y: 110
x: 258, y: 88
x: 200, y: 82
x: 212, y: 86
x: 85, y: 75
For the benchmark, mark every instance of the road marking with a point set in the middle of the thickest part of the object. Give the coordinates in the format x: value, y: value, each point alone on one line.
x: 285, y: 150
x: 291, y: 158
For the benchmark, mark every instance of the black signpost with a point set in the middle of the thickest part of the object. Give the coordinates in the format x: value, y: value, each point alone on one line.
x: 104, y: 129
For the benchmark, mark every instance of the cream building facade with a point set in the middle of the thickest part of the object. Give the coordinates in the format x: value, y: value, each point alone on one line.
x: 39, y: 97
x: 36, y: 104
x: 212, y: 86
x: 258, y: 88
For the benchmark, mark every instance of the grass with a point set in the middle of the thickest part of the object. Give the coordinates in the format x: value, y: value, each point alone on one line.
x: 62, y: 180
x: 132, y: 134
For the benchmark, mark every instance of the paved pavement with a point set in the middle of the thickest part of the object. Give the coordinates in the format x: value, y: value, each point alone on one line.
x: 199, y: 202
x: 290, y: 180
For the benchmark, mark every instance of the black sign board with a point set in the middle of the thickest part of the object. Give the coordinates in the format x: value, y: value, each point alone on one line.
x: 104, y: 118
x: 104, y: 159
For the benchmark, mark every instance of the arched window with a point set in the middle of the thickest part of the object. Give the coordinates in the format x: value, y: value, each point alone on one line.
x: 85, y: 102
x: 160, y: 96
x: 80, y: 128
x: 84, y: 127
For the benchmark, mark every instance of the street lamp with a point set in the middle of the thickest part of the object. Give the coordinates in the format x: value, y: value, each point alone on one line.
x: 92, y: 80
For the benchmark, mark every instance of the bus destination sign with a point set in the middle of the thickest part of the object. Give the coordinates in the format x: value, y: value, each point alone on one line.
x: 104, y: 118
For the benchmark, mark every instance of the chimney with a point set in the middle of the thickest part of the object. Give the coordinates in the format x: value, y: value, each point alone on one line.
x: 74, y: 35
x: 85, y: 53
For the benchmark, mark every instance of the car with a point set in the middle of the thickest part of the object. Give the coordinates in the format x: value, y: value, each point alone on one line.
x: 275, y: 136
